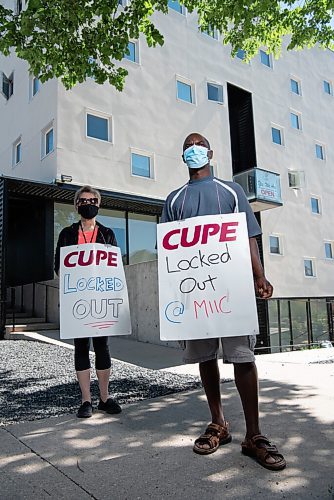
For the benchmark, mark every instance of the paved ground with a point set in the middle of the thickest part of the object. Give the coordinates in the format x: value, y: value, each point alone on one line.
x: 146, y: 452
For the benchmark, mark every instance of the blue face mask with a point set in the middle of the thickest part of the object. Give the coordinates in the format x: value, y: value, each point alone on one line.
x: 196, y: 156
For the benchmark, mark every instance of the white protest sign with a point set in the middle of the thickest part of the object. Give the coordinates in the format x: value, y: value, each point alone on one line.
x: 206, y: 286
x: 93, y: 293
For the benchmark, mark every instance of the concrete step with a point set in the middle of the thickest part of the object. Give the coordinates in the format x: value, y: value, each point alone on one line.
x: 31, y: 327
x: 27, y: 320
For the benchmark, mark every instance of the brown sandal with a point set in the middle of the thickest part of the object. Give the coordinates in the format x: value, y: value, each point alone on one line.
x: 214, y: 436
x: 260, y: 448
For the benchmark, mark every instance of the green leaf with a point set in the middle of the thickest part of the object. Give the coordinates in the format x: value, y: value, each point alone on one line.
x: 78, y: 39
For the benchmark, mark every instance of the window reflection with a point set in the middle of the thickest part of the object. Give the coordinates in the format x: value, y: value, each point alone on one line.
x: 184, y: 91
x: 175, y: 5
x: 273, y: 326
x: 285, y: 325
x: 299, y: 322
x: 142, y: 238
x: 115, y: 219
x: 64, y: 215
x: 319, y: 320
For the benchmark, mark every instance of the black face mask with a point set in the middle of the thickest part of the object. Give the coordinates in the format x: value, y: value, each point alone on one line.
x: 88, y: 211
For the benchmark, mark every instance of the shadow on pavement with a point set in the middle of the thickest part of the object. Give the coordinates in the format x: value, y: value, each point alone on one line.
x: 146, y: 452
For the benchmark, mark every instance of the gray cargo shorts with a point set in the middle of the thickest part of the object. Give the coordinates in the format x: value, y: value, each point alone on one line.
x: 235, y: 349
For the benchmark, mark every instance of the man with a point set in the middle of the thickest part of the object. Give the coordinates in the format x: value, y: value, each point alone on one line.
x: 206, y: 195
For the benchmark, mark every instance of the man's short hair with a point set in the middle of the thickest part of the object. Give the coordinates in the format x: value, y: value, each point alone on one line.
x: 203, y: 137
x: 86, y: 189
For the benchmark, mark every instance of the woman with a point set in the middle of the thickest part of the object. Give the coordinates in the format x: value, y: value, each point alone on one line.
x: 87, y: 202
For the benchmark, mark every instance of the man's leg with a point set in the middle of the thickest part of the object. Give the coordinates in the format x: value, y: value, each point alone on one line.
x: 196, y: 351
x: 217, y: 432
x: 210, y: 377
x: 204, y: 352
x: 260, y: 448
x: 246, y: 380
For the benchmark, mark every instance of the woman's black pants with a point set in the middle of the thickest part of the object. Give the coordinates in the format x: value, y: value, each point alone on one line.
x: 81, y: 353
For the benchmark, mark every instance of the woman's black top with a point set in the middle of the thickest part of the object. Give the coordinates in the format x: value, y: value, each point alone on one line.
x: 69, y: 236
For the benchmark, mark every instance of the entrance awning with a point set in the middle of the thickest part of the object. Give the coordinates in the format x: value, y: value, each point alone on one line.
x: 64, y: 192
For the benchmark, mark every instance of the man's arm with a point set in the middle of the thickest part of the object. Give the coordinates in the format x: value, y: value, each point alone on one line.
x: 263, y: 288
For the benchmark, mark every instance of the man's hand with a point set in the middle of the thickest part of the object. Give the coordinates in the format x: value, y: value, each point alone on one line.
x: 263, y: 288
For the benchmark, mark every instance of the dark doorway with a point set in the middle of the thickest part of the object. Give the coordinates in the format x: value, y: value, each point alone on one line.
x: 241, y: 129
x: 243, y: 152
x: 29, y: 247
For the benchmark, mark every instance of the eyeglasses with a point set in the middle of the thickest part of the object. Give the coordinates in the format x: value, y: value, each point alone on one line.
x: 87, y: 201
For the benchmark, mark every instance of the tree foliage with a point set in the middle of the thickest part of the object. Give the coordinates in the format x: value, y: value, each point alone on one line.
x: 77, y: 39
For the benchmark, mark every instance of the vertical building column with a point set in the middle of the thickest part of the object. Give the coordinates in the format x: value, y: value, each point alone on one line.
x: 3, y: 238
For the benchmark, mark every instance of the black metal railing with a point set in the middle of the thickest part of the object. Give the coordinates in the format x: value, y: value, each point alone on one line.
x: 15, y: 308
x: 295, y: 347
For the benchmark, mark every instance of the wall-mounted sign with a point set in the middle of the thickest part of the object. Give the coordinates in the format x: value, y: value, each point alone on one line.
x: 267, y: 186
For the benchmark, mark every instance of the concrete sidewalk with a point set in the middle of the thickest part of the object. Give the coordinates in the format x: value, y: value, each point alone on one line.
x: 146, y: 452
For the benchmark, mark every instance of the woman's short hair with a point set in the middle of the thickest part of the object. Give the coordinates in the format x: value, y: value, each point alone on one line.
x: 86, y: 189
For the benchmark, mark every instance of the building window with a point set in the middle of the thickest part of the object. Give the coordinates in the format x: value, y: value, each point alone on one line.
x: 274, y: 245
x: 185, y: 91
x: 295, y: 86
x: 265, y: 59
x: 17, y: 152
x: 142, y: 237
x: 328, y: 89
x: 18, y: 156
x: 175, y: 5
x: 7, y: 86
x: 47, y: 141
x: 309, y: 268
x: 215, y: 92
x: 296, y: 179
x: 315, y: 205
x: 328, y: 250
x: 211, y: 32
x: 18, y: 6
x: 141, y: 165
x: 277, y: 135
x: 241, y: 54
x: 35, y: 85
x: 319, y: 151
x: 117, y: 220
x: 132, y: 53
x: 295, y: 121
x: 98, y: 127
